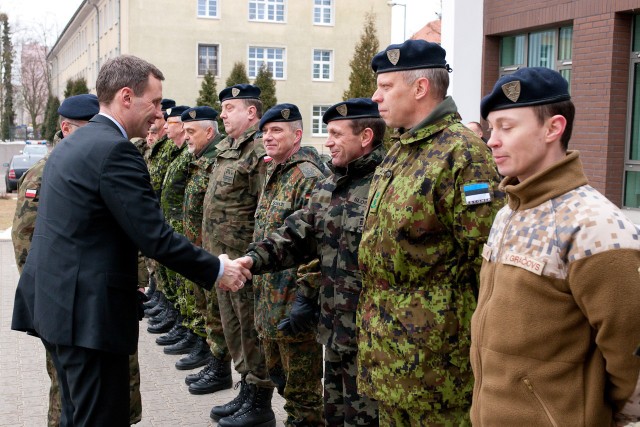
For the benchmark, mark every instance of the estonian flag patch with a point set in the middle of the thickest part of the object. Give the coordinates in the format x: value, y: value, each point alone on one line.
x: 477, y: 193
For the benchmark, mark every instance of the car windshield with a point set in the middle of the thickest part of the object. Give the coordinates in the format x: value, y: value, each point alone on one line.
x: 24, y: 162
x: 38, y: 150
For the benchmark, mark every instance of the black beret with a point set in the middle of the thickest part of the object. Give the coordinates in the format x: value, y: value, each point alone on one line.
x: 410, y: 55
x: 526, y: 87
x: 280, y: 113
x: 195, y: 114
x: 79, y: 107
x: 241, y: 91
x: 167, y: 103
x: 354, y: 108
x: 175, y: 111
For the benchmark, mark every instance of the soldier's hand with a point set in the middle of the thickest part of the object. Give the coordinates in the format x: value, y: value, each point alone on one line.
x: 303, y: 317
x: 235, y: 274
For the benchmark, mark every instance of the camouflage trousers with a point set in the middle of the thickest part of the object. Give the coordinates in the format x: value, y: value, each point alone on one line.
x: 237, y: 315
x: 296, y: 367
x: 193, y: 306
x: 394, y: 416
x: 214, y: 327
x: 143, y: 272
x: 135, y: 399
x: 169, y: 282
x: 343, y: 406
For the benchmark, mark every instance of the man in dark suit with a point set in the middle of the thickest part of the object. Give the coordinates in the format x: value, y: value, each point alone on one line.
x: 78, y: 290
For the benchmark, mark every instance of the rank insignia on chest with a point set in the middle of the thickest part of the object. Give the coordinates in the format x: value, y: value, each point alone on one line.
x: 476, y: 193
x: 229, y: 173
x: 31, y: 193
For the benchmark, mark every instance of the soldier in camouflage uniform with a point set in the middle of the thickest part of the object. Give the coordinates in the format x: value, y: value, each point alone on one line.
x: 202, y: 138
x: 230, y: 202
x: 74, y: 112
x: 294, y: 360
x: 330, y: 228
x: 431, y: 205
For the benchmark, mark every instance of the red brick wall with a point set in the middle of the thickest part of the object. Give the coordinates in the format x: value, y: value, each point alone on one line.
x: 599, y: 87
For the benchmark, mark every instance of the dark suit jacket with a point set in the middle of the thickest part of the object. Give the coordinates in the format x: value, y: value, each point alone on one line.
x: 97, y: 208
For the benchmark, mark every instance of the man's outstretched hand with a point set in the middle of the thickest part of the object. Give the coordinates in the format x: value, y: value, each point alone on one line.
x: 236, y: 272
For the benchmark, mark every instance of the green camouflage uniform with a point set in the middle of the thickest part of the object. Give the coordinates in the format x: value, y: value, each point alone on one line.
x: 295, y: 361
x: 24, y: 222
x: 230, y: 202
x: 330, y: 227
x: 420, y: 258
x: 171, y: 201
x: 194, y: 305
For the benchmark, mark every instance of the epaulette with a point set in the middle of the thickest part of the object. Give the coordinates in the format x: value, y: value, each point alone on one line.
x: 309, y: 170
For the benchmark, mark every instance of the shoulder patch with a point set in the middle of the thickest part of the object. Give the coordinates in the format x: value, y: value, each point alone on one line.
x: 31, y: 193
x: 309, y: 170
x: 476, y: 193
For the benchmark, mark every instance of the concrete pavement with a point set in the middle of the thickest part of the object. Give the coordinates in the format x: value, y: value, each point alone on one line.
x: 24, y: 383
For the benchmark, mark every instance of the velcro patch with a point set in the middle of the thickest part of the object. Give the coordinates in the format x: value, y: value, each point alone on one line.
x: 31, y: 193
x: 476, y: 193
x: 523, y: 261
x: 229, y: 174
x: 280, y: 204
x: 308, y: 170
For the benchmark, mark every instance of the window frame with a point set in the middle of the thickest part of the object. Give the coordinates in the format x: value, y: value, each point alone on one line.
x: 217, y: 67
x: 258, y: 62
x: 317, y: 120
x: 266, y: 4
x: 322, y: 8
x: 321, y: 62
x: 207, y: 10
x: 629, y: 164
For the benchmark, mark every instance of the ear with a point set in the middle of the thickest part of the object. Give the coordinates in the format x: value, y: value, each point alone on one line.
x: 421, y: 87
x: 65, y: 127
x: 366, y: 138
x: 298, y: 136
x: 125, y: 96
x: 251, y: 111
x: 555, y: 128
x: 210, y: 133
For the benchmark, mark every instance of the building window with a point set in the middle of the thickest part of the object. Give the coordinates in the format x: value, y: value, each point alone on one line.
x: 207, y: 59
x: 322, y: 69
x: 551, y: 48
x: 323, y: 12
x: 632, y: 150
x: 266, y: 10
x: 207, y: 8
x: 272, y: 56
x: 318, y: 127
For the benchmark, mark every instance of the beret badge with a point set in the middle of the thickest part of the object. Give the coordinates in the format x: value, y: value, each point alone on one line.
x: 192, y: 114
x: 168, y: 111
x: 285, y: 113
x: 512, y: 90
x: 342, y: 110
x: 393, y: 55
x: 235, y: 91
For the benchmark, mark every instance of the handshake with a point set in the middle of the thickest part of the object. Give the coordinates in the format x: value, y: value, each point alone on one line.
x: 236, y: 272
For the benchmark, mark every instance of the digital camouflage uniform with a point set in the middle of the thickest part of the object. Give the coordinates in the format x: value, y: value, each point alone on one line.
x: 295, y: 362
x: 171, y: 201
x: 236, y: 179
x: 431, y: 205
x: 330, y: 227
x: 194, y: 304
x: 24, y: 222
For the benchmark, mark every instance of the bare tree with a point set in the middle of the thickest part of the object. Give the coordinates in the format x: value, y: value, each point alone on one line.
x: 35, y: 89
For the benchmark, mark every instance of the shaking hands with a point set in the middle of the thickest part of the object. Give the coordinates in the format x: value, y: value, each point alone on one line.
x: 236, y: 272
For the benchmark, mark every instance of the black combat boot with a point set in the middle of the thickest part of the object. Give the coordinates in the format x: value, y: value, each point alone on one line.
x: 152, y: 287
x: 255, y: 412
x: 198, y: 356
x: 192, y: 378
x: 183, y: 346
x: 174, y: 335
x: 217, y: 378
x: 166, y: 324
x: 158, y: 308
x: 234, y: 406
x: 153, y: 300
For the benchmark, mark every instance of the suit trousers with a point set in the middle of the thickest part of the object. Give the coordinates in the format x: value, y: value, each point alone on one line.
x: 94, y: 386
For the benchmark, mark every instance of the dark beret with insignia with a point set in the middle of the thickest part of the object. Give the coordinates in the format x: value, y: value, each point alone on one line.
x: 175, y: 111
x: 79, y: 107
x: 167, y: 103
x: 195, y: 114
x: 280, y: 113
x: 354, y: 108
x: 410, y: 55
x: 241, y: 91
x: 524, y: 88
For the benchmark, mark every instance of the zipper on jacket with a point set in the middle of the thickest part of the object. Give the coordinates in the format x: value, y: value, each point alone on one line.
x: 529, y: 386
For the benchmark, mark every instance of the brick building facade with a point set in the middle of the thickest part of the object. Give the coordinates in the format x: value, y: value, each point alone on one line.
x: 594, y: 44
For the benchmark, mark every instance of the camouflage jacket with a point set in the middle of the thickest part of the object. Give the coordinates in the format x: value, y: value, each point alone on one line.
x: 173, y: 187
x: 431, y: 205
x: 287, y: 189
x: 229, y: 206
x: 163, y: 152
x: 199, y: 170
x: 141, y: 145
x: 330, y: 227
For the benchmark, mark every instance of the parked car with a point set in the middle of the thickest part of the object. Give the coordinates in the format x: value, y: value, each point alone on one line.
x: 19, y: 164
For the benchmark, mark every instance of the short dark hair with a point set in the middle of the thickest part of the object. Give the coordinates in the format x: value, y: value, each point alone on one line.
x: 377, y: 125
x: 562, y: 108
x: 248, y: 102
x: 124, y: 71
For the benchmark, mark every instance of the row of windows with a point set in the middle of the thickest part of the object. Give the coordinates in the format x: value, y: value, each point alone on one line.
x: 270, y: 10
x: 273, y: 57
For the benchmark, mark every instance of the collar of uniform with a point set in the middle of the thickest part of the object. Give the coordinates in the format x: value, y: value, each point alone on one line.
x: 444, y: 115
x: 230, y: 143
x: 364, y: 164
x: 556, y: 180
x: 210, y: 149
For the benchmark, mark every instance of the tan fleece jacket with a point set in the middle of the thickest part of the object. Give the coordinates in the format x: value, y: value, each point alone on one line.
x: 558, y: 315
